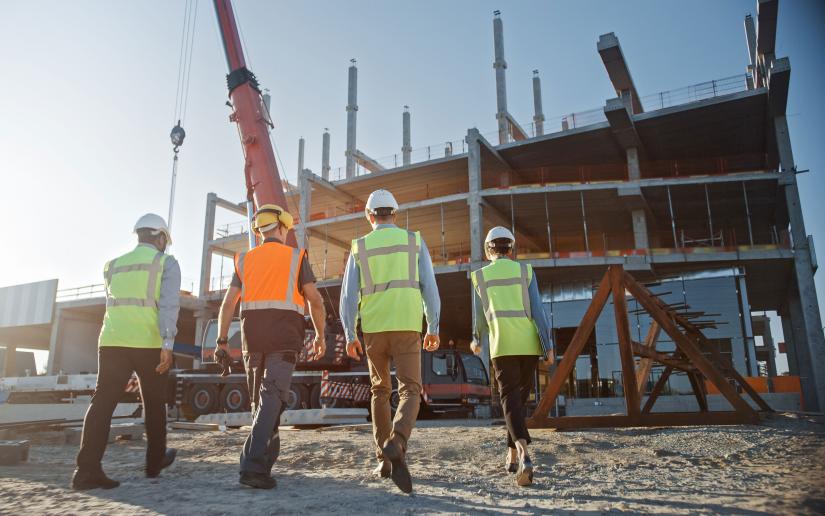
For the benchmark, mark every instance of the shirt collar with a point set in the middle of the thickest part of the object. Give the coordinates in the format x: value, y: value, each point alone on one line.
x: 268, y: 240
x: 151, y: 246
x: 385, y: 226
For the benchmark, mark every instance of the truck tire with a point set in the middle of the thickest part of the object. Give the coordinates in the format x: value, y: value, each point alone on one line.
x: 233, y: 398
x: 201, y: 398
x: 298, y: 397
x: 315, y: 396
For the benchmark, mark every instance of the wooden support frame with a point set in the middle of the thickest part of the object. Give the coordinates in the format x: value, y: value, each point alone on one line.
x: 688, y: 357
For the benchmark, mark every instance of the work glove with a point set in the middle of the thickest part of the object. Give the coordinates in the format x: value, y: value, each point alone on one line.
x: 223, y: 360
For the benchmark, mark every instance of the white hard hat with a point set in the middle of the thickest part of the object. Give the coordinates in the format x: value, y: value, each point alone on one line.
x: 155, y: 223
x: 380, y: 199
x: 499, y: 232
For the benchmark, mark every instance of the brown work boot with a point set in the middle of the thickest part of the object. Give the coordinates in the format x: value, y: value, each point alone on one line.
x: 383, y: 469
x: 394, y: 450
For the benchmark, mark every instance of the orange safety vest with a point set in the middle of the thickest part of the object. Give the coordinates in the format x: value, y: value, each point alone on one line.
x: 269, y: 277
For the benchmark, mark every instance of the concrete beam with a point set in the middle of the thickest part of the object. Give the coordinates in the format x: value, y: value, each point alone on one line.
x: 401, y: 207
x: 239, y: 208
x: 516, y: 131
x: 642, y: 183
x: 766, y: 13
x: 483, y: 141
x: 331, y: 188
x: 621, y: 123
x: 779, y: 77
x: 332, y: 240
x: 367, y: 162
x: 618, y: 71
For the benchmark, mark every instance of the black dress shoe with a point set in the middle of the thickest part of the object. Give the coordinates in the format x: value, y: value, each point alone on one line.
x: 258, y: 480
x: 393, y: 451
x: 168, y: 459
x: 82, y: 481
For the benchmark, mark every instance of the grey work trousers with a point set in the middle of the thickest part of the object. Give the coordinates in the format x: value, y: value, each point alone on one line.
x: 268, y: 377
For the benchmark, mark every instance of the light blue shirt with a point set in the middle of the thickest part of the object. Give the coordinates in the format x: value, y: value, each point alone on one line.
x: 169, y: 302
x: 537, y: 313
x: 351, y: 291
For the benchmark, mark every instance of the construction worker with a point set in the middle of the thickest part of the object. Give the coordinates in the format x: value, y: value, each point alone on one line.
x: 272, y: 282
x: 508, y: 306
x: 139, y: 328
x: 389, y: 282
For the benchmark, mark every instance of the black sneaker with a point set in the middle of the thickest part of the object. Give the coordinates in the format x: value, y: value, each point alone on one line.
x: 400, y: 474
x: 512, y: 467
x: 258, y: 480
x: 168, y: 459
x: 83, y: 481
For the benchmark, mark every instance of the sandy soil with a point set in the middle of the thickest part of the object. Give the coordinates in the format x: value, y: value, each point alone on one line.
x: 777, y: 467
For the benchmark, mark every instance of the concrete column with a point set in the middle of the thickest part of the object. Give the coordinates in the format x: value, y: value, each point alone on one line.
x: 352, y: 111
x: 325, y: 155
x: 801, y: 352
x: 811, y: 323
x: 790, y: 347
x: 751, y: 364
x: 305, y: 191
x: 767, y: 339
x: 208, y: 234
x: 300, y: 156
x: 473, y: 195
x: 406, y: 149
x: 10, y: 361
x: 750, y: 40
x: 538, y: 117
x: 500, y: 65
x: 634, y: 173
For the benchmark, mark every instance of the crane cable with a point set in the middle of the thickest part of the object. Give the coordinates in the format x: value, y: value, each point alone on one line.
x: 187, y: 43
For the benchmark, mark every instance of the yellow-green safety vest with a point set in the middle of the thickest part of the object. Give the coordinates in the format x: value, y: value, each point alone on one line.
x: 132, y: 293
x: 503, y: 287
x: 390, y: 289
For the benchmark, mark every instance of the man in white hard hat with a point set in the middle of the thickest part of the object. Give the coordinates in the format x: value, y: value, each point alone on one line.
x: 138, y: 334
x: 390, y: 283
x: 509, y: 310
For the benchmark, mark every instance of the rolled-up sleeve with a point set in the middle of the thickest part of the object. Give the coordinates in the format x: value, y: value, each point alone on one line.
x: 348, y: 306
x: 429, y: 290
x: 169, y: 303
x: 539, y: 316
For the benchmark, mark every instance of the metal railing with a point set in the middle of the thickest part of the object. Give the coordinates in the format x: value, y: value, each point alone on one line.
x: 565, y: 122
x: 84, y: 292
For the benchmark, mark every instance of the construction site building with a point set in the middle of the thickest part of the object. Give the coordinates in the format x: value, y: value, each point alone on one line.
x: 694, y: 188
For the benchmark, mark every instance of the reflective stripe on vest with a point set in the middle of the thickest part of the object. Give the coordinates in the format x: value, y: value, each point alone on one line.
x: 285, y: 304
x: 155, y: 271
x: 364, y: 254
x: 523, y: 279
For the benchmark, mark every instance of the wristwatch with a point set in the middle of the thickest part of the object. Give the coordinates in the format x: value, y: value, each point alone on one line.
x: 222, y: 340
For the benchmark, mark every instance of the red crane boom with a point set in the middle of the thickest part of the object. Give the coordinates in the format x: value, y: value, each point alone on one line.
x: 263, y: 182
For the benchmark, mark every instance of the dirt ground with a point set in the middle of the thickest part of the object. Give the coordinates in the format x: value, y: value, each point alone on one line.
x: 457, y: 466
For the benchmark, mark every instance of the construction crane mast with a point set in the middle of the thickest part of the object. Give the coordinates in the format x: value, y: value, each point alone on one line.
x: 263, y: 181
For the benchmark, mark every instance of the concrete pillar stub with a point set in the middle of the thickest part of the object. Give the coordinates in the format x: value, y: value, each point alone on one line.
x: 325, y: 155
x: 305, y: 191
x: 352, y: 111
x: 500, y: 66
x: 10, y: 360
x: 406, y: 148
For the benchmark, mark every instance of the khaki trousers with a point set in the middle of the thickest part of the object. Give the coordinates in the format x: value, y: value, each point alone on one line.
x: 404, y: 349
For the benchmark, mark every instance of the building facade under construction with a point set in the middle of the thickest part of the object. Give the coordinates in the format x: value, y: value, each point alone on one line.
x: 693, y: 191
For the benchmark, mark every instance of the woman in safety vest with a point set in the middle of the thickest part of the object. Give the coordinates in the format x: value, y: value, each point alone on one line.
x: 509, y: 309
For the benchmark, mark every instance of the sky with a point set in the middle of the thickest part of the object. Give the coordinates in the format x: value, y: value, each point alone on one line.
x: 88, y: 98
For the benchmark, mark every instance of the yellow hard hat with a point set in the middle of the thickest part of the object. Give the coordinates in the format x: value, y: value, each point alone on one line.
x: 269, y: 214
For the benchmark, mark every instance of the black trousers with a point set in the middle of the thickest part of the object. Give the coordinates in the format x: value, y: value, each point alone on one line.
x: 115, y: 367
x: 514, y: 376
